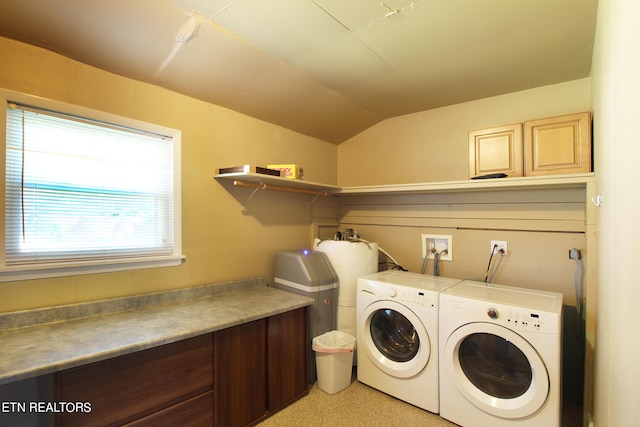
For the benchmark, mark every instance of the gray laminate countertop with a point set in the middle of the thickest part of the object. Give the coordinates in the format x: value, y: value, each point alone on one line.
x: 42, y: 341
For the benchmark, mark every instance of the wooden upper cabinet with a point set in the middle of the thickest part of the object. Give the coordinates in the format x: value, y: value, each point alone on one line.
x: 558, y: 145
x: 496, y: 150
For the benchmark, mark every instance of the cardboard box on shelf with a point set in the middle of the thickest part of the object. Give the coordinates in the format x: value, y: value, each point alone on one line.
x: 288, y: 170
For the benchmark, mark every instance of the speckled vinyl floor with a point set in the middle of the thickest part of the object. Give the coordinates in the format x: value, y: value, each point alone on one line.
x: 361, y: 405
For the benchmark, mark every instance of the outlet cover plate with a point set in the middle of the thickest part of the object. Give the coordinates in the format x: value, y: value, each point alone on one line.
x: 440, y: 242
x: 501, y: 244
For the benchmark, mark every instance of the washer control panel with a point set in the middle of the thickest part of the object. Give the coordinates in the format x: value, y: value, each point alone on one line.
x: 409, y: 296
x: 515, y: 318
x: 518, y: 318
x: 417, y: 297
x: 519, y: 309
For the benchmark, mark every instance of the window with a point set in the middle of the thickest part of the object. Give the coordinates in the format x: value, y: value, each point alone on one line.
x: 87, y: 192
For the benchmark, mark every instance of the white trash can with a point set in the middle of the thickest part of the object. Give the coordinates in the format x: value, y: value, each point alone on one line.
x: 334, y: 360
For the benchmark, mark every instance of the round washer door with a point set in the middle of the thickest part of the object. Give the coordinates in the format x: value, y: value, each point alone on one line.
x: 394, y: 339
x: 496, y: 370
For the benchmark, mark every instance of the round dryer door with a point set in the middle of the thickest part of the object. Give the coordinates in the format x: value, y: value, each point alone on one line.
x: 496, y: 370
x: 395, y: 339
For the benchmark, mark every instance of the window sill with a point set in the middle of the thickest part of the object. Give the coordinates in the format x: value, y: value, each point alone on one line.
x: 42, y: 271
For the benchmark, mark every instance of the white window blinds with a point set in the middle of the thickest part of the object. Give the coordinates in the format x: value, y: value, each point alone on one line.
x: 78, y: 189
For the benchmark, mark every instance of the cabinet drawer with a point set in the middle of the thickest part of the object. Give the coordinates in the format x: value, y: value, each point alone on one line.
x: 194, y: 412
x: 135, y: 385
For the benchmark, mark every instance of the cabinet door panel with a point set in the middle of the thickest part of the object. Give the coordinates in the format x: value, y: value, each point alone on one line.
x: 496, y: 150
x: 240, y: 374
x: 126, y: 387
x: 287, y: 357
x: 558, y: 145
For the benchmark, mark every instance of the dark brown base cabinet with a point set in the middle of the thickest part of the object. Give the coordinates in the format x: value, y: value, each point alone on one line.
x: 240, y: 374
x: 233, y: 377
x: 260, y: 367
x: 286, y: 361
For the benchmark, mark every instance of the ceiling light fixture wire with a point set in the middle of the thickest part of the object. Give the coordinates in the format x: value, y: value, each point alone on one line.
x: 390, y: 12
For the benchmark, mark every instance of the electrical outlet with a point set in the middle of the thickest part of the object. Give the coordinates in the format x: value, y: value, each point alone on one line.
x: 437, y: 243
x: 500, y: 247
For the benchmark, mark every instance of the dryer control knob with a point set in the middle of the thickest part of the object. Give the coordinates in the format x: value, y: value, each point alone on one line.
x: 393, y: 292
x: 493, y: 313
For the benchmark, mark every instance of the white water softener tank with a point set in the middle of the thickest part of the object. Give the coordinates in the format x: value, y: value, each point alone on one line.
x: 350, y: 259
x: 310, y: 273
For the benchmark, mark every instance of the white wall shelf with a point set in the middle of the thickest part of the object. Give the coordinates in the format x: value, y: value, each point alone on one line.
x: 496, y: 184
x: 267, y: 182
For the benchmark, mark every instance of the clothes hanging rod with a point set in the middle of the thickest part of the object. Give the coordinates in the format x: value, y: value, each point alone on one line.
x: 263, y: 186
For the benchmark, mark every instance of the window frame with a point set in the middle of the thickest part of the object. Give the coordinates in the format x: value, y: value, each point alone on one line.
x: 78, y: 267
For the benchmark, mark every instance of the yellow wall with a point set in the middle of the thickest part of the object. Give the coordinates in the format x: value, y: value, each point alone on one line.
x: 432, y: 145
x: 223, y: 238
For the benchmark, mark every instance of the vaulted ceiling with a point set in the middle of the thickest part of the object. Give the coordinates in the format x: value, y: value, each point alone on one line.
x: 325, y: 68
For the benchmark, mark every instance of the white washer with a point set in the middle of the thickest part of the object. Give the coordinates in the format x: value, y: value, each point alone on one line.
x: 500, y: 356
x: 397, y: 335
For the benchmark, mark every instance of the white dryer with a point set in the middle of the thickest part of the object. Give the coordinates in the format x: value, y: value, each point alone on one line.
x: 500, y: 356
x: 397, y: 335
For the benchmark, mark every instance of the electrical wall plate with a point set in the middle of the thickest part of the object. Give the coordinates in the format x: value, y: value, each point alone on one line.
x: 499, y: 245
x: 438, y: 243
